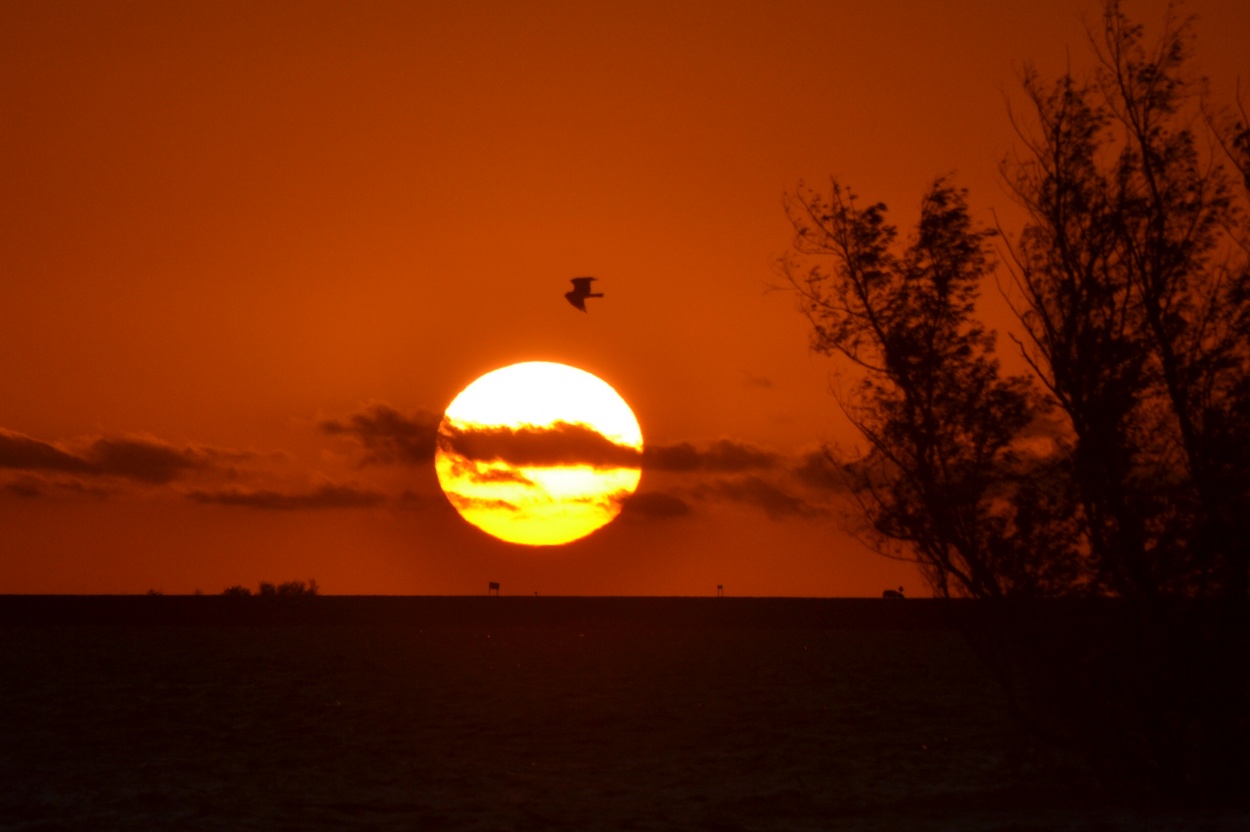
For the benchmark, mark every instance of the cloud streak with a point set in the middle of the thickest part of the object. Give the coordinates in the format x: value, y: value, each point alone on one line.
x: 48, y: 485
x: 325, y: 497
x: 816, y: 469
x: 721, y: 456
x: 388, y: 436
x: 144, y: 460
x: 467, y: 503
x: 653, y: 505
x: 775, y: 501
x: 561, y: 444
x: 27, y: 454
x: 685, y: 475
x: 728, y: 471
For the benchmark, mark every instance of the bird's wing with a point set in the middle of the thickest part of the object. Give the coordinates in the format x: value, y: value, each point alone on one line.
x: 581, y: 284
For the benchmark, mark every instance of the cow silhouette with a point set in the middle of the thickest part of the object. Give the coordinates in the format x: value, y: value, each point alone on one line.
x: 893, y: 593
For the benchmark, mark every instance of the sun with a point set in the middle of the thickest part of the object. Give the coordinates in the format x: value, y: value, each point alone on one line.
x: 538, y: 453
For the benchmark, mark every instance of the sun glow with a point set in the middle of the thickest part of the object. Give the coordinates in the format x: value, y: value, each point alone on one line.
x: 538, y: 453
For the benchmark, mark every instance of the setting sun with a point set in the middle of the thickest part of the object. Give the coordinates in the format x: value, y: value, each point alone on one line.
x: 538, y: 453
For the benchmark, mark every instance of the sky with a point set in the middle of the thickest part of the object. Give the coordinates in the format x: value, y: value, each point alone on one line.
x: 249, y: 252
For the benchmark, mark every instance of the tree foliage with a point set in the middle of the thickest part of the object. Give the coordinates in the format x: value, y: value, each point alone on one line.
x: 946, y: 476
x: 286, y: 589
x: 1117, y: 477
x: 1134, y: 308
x: 1133, y: 298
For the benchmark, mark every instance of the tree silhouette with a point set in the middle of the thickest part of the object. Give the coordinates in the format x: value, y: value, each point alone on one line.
x: 286, y: 589
x: 1134, y: 309
x: 1118, y: 477
x: 945, y: 477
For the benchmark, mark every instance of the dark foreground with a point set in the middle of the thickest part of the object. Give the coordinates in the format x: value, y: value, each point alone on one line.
x: 515, y: 713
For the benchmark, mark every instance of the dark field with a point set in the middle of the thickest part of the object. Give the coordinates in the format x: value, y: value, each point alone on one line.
x: 513, y: 713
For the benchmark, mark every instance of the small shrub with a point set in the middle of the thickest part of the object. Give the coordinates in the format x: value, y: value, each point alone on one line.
x: 298, y: 588
x: 268, y: 589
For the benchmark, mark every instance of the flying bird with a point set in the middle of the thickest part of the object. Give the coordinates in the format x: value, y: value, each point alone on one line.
x: 581, y: 291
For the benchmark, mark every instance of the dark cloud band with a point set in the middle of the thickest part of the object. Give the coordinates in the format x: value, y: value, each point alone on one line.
x: 388, y: 435
x: 144, y: 460
x: 654, y: 505
x: 775, y: 501
x: 561, y: 444
x: 724, y: 456
x: 25, y: 453
x: 328, y: 496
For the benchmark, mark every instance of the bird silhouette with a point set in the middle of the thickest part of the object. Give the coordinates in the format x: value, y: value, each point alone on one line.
x: 581, y: 291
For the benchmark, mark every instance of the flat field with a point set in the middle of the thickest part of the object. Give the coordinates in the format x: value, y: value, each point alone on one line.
x: 512, y: 713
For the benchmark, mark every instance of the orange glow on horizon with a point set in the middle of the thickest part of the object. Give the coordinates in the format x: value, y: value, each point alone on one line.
x: 251, y: 251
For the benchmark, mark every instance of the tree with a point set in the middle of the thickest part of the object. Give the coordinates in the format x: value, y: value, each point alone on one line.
x: 1134, y: 299
x: 946, y: 477
x: 1135, y: 315
x: 298, y: 588
x: 1133, y: 295
x: 1133, y: 273
x: 289, y: 589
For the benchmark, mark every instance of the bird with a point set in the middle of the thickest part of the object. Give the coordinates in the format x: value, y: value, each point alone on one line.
x: 581, y: 291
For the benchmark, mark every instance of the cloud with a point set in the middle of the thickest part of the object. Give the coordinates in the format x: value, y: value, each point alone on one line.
x: 25, y: 453
x: 25, y: 487
x: 724, y: 455
x: 140, y: 459
x: 497, y: 475
x: 1052, y: 424
x: 776, y: 502
x: 462, y: 501
x: 563, y: 443
x: 144, y: 460
x: 389, y: 436
x: 482, y: 472
x: 816, y: 469
x: 686, y: 474
x: 40, y: 485
x: 733, y: 471
x: 416, y: 501
x: 327, y: 496
x: 653, y: 505
x: 750, y: 380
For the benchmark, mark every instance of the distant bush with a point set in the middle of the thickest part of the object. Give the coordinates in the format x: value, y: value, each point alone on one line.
x: 268, y: 589
x: 298, y: 588
x: 289, y: 589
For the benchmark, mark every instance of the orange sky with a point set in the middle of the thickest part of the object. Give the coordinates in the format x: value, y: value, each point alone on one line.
x: 249, y: 250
